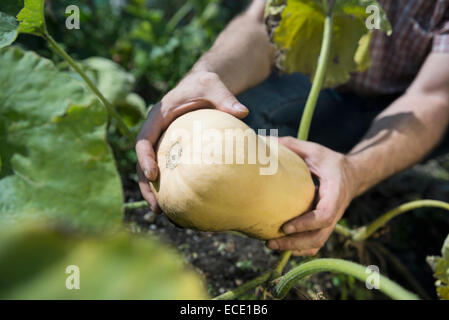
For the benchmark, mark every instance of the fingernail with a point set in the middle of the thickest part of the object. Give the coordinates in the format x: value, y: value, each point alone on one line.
x: 273, y: 245
x: 149, y: 172
x: 153, y: 173
x: 239, y: 107
x: 289, y: 229
x: 146, y: 172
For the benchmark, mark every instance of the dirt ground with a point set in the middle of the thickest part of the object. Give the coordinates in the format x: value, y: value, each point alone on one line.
x: 227, y: 260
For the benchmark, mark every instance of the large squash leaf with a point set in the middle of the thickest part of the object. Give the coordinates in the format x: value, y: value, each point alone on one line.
x: 440, y: 267
x: 116, y: 85
x: 296, y: 30
x: 33, y: 263
x: 55, y: 160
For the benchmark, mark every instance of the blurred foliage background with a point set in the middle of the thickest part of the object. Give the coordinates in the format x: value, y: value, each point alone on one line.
x: 156, y: 40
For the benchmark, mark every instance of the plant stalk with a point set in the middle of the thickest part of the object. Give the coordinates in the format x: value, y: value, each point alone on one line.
x: 237, y: 292
x: 280, y: 265
x: 343, y: 230
x: 320, y: 76
x: 358, y: 271
x: 365, y: 232
x: 111, y: 110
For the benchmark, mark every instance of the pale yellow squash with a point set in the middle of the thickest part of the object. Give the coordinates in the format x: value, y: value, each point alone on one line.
x: 202, y: 186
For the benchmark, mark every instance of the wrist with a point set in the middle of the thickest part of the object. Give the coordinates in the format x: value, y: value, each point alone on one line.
x: 354, y: 177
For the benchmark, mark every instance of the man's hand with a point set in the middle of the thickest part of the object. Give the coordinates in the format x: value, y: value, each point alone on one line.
x: 307, y: 233
x: 197, y: 90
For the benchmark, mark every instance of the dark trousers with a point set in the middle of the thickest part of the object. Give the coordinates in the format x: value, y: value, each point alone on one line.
x: 340, y: 120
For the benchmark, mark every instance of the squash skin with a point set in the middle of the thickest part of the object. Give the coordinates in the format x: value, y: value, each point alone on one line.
x: 225, y: 197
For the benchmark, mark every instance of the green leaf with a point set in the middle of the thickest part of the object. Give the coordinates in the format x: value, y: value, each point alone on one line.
x: 32, y: 19
x: 8, y: 29
x: 116, y: 85
x: 56, y: 161
x: 440, y: 267
x: 34, y: 261
x: 296, y: 29
x: 110, y: 78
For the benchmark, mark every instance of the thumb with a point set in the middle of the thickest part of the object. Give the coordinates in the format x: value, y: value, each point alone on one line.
x: 224, y: 100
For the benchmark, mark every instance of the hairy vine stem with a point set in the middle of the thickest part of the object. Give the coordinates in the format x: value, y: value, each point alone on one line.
x: 358, y: 271
x: 111, y: 110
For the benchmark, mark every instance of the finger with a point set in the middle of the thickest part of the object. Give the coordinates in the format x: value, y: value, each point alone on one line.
x: 305, y: 253
x: 146, y: 191
x: 301, y: 148
x: 148, y: 136
x: 147, y: 159
x: 324, y: 214
x: 225, y: 101
x: 300, y: 241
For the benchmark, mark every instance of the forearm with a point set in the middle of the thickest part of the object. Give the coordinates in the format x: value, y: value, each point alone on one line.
x: 400, y: 136
x: 242, y: 55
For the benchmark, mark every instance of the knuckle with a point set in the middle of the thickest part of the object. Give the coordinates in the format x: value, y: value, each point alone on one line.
x: 328, y: 220
x: 287, y: 244
x: 166, y: 111
x: 317, y: 242
x: 207, y: 78
x: 288, y: 141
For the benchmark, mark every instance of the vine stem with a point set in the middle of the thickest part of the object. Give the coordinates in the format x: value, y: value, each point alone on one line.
x: 358, y: 271
x: 320, y: 75
x: 280, y: 265
x: 237, y: 292
x: 111, y: 110
x: 135, y: 205
x: 365, y: 232
x: 344, y: 231
x: 271, y: 274
x: 355, y: 235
